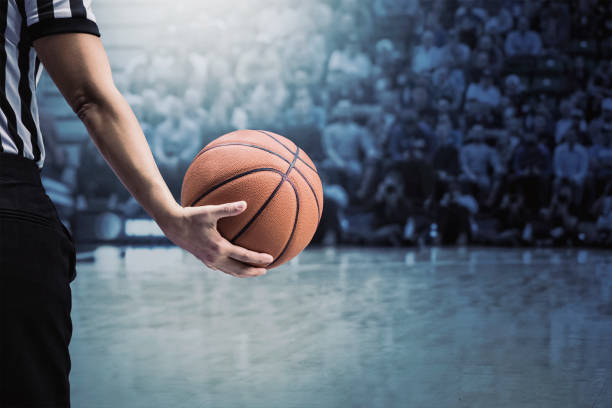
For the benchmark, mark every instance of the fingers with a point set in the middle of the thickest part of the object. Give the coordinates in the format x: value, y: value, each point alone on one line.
x: 250, y: 257
x: 238, y: 269
x: 226, y: 210
x: 220, y: 254
x: 228, y: 258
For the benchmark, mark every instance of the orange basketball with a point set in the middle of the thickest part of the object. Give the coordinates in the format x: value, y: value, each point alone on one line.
x: 276, y: 178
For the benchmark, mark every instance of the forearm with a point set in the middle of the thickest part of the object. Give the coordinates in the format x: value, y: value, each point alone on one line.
x: 116, y: 132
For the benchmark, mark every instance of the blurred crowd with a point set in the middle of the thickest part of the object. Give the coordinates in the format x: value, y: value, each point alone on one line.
x: 435, y: 122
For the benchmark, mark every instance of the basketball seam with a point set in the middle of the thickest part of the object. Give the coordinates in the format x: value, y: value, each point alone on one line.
x: 263, y: 207
x: 313, y: 192
x: 277, y: 155
x: 288, y: 149
x: 292, y: 165
x: 265, y: 204
x: 297, y: 213
x: 236, y: 177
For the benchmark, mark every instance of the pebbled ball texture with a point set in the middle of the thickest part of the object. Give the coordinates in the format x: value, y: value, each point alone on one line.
x: 275, y: 177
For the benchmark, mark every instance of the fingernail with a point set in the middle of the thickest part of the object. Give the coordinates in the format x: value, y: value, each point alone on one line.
x: 241, y: 205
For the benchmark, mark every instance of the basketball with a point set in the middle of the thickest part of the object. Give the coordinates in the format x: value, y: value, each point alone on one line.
x: 275, y: 177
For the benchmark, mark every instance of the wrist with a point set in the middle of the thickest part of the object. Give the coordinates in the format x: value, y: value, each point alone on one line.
x: 167, y: 215
x: 159, y: 203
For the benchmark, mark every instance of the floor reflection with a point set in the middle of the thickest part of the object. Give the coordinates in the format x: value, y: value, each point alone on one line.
x: 346, y: 328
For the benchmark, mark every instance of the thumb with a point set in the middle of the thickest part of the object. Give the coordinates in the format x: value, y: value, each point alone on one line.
x: 226, y: 210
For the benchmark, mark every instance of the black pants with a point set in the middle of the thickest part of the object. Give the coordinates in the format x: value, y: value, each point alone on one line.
x: 37, y: 264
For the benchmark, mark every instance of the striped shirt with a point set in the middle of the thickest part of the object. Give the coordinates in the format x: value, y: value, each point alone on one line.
x: 22, y: 22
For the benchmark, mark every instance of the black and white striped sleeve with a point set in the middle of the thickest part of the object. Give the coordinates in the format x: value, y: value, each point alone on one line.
x: 48, y: 17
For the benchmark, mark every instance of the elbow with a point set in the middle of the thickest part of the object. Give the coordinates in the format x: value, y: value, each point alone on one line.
x: 87, y: 101
x: 82, y: 105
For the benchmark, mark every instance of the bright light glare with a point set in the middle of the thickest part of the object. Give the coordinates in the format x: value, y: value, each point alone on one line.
x: 142, y: 228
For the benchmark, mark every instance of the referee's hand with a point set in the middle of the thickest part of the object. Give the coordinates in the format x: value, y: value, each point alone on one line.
x: 195, y: 230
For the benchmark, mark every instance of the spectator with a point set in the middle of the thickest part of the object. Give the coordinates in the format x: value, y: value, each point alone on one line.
x: 458, y: 53
x: 380, y: 124
x: 309, y: 55
x: 386, y: 60
x: 446, y: 156
x: 427, y: 56
x: 531, y: 157
x: 175, y: 143
x: 454, y: 215
x: 508, y: 138
x: 480, y: 62
x: 430, y: 21
x: 512, y: 218
x: 559, y: 221
x: 445, y: 161
x: 408, y: 138
x: 555, y: 23
x: 423, y: 103
x: 514, y: 92
x: 499, y: 24
x: 542, y: 127
x: 523, y: 41
x: 532, y: 168
x: 391, y: 209
x: 177, y: 138
x: 362, y: 14
x: 445, y: 11
x: 449, y: 83
x: 348, y: 67
x: 265, y: 103
x: 470, y: 21
x: 484, y: 94
x: 601, y: 156
x: 479, y: 163
x: 305, y: 121
x: 494, y: 54
x: 346, y: 146
x: 468, y: 8
x: 571, y: 163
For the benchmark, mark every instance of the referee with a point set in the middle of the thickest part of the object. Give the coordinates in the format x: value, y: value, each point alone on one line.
x: 37, y: 256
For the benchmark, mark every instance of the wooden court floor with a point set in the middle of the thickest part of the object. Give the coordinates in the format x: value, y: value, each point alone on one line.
x: 346, y: 327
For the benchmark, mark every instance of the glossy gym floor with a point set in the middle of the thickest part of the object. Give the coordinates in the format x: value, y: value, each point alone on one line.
x: 349, y: 327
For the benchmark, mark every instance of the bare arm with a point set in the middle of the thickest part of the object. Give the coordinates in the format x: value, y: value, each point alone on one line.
x: 78, y: 65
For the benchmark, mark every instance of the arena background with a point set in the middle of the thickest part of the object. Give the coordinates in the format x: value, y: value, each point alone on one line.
x: 431, y: 123
x: 439, y: 127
